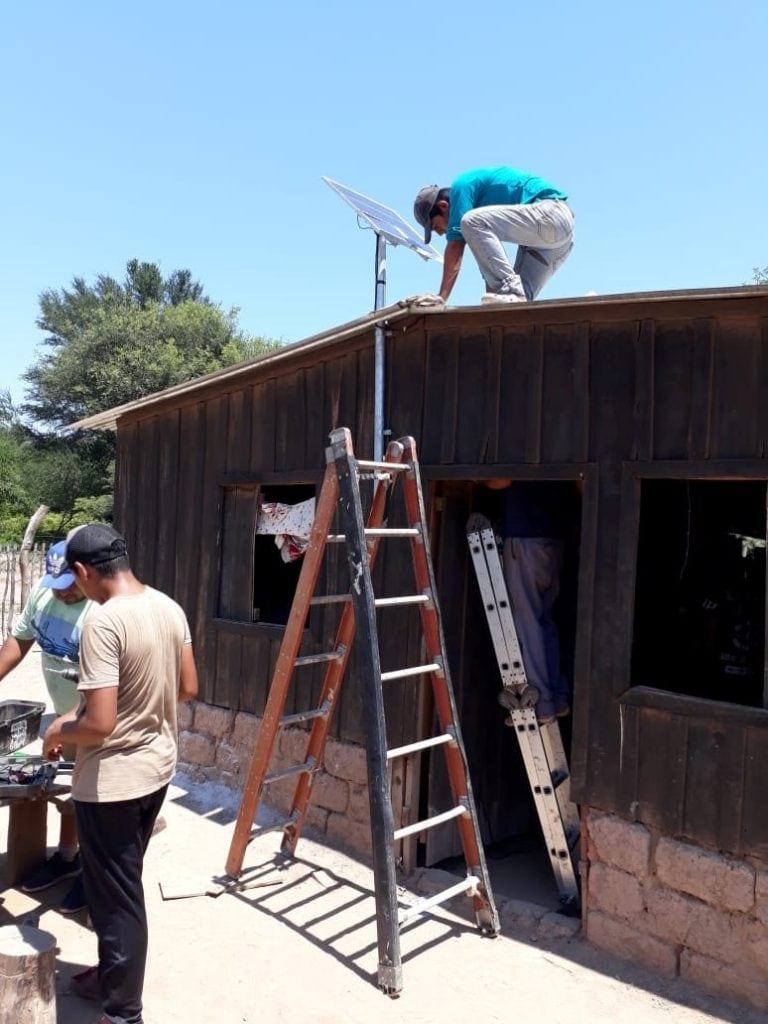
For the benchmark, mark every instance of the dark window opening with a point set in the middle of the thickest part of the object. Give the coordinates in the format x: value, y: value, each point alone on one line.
x: 275, y: 580
x: 699, y: 625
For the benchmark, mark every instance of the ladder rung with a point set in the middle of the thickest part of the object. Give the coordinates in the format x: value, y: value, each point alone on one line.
x: 438, y: 819
x: 377, y: 531
x: 277, y: 827
x: 392, y: 531
x: 292, y: 769
x: 317, y: 659
x: 306, y: 716
x: 331, y: 599
x: 465, y: 885
x: 399, y: 467
x: 417, y: 670
x: 412, y: 748
x: 391, y: 602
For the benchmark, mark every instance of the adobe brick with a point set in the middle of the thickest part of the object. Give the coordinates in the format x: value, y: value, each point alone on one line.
x: 346, y: 761
x: 622, y: 844
x: 720, y: 881
x: 227, y: 779
x: 761, y: 896
x: 330, y: 792
x: 317, y: 818
x: 245, y: 730
x: 630, y: 943
x: 196, y: 749
x: 755, y: 950
x: 279, y: 794
x: 722, y: 979
x: 228, y: 758
x: 359, y: 805
x: 681, y: 919
x: 293, y: 744
x: 185, y: 715
x: 193, y: 772
x: 214, y: 721
x: 615, y: 892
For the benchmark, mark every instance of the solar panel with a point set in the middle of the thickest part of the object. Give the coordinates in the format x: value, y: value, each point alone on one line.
x: 384, y: 221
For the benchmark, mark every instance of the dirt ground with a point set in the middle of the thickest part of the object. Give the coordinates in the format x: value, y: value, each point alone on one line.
x: 304, y: 950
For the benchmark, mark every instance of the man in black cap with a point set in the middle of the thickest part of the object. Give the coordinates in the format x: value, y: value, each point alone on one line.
x: 487, y: 207
x: 136, y: 662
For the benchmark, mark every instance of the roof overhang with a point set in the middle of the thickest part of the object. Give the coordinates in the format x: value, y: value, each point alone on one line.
x: 108, y: 419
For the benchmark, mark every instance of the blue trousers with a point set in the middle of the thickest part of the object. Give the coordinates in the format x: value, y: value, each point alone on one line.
x: 532, y: 566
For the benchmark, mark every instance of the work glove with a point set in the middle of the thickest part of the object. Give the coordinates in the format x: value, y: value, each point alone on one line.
x: 425, y: 301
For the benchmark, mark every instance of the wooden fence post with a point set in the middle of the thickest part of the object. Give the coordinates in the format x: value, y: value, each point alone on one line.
x: 26, y: 544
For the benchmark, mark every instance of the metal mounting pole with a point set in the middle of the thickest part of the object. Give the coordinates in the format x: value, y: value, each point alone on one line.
x: 378, y: 351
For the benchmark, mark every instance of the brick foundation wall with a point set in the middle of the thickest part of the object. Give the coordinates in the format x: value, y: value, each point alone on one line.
x: 216, y: 745
x: 677, y: 908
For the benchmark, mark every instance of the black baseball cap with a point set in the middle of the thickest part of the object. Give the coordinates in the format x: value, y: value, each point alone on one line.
x: 95, y: 544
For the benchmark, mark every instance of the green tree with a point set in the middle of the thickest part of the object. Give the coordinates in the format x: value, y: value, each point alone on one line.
x: 13, y: 494
x: 108, y: 343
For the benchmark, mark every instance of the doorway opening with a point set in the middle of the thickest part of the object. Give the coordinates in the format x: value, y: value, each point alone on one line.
x: 518, y: 860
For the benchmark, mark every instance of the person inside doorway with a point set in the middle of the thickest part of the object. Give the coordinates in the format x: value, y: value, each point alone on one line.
x: 537, y: 519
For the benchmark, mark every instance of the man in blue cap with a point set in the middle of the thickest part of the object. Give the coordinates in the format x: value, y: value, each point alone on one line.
x: 53, y: 618
x: 491, y: 206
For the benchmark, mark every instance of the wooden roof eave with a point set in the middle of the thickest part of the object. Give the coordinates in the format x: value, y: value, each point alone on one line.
x: 595, y: 308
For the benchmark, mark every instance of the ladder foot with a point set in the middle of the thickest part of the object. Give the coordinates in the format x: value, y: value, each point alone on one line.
x: 391, y: 980
x: 570, y: 906
x: 487, y: 922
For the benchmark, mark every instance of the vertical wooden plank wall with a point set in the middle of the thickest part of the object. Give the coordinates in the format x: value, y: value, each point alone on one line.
x: 605, y: 385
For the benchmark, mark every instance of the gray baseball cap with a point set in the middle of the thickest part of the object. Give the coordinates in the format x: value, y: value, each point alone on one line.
x: 422, y: 207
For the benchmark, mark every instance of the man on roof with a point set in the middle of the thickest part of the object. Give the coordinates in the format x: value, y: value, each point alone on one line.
x: 484, y: 209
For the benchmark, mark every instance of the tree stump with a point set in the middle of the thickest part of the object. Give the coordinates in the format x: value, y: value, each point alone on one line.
x: 27, y: 975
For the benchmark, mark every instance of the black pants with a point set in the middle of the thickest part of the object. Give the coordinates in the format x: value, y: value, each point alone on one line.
x: 113, y: 838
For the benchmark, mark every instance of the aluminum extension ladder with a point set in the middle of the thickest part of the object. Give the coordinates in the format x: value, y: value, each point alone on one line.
x: 341, y: 488
x: 541, y: 746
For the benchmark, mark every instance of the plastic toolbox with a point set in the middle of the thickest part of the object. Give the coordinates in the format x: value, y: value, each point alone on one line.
x: 19, y: 723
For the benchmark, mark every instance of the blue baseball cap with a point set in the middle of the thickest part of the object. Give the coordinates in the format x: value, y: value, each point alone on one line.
x: 58, y: 575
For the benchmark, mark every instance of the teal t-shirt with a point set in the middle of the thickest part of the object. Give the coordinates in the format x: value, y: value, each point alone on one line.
x: 56, y: 627
x: 494, y: 186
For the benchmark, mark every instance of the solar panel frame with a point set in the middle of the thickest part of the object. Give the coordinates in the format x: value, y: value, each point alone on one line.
x: 384, y: 221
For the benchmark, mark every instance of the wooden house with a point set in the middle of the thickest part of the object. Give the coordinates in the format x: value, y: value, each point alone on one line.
x: 657, y: 404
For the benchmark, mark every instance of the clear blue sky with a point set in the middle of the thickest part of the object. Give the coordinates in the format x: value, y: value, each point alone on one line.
x: 195, y: 135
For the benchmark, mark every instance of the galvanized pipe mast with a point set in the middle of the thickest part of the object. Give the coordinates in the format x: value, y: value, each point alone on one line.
x: 380, y: 299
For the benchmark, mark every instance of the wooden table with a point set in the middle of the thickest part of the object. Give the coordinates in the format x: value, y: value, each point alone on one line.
x: 28, y: 830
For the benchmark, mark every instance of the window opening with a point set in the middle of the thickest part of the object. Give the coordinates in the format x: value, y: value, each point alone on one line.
x: 274, y: 577
x: 699, y: 623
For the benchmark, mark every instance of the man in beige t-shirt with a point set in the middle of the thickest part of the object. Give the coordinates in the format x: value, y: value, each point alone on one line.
x: 136, y: 663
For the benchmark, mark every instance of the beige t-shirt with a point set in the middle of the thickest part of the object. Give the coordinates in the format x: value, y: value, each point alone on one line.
x: 133, y: 642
